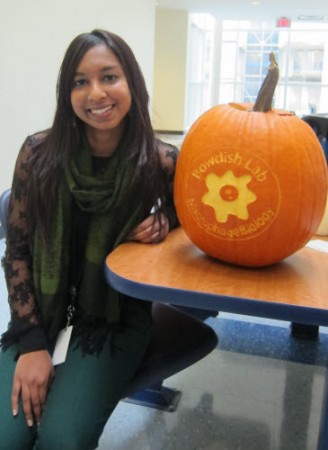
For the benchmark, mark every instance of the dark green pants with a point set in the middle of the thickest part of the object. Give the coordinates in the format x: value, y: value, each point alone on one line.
x: 84, y: 392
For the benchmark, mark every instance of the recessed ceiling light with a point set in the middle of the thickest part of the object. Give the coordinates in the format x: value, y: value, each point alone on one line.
x: 255, y: 2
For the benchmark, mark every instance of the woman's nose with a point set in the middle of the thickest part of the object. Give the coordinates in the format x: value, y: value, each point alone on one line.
x: 96, y: 91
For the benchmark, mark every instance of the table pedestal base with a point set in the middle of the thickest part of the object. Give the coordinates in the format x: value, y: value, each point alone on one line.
x: 304, y: 331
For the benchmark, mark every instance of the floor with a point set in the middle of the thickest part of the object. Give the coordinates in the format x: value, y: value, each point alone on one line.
x: 260, y: 389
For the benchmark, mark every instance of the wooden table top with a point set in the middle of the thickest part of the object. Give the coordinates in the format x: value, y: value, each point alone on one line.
x: 176, y: 263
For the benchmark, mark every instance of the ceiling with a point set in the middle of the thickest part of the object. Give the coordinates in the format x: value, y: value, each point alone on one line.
x: 311, y: 10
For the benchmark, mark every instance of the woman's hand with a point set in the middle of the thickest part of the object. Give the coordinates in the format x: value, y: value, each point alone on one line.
x: 151, y: 229
x: 33, y: 376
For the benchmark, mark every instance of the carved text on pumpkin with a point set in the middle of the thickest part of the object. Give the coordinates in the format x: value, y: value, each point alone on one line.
x: 241, y: 231
x: 233, y: 158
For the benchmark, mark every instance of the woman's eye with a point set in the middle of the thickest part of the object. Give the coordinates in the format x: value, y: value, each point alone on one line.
x: 79, y: 82
x: 110, y: 78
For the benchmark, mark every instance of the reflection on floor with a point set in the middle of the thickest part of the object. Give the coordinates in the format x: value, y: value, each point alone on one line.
x: 260, y: 389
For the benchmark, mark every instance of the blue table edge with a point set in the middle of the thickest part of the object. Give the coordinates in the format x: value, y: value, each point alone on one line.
x: 216, y: 302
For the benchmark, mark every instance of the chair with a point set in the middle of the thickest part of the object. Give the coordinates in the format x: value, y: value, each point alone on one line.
x: 4, y: 203
x: 319, y: 124
x: 178, y: 340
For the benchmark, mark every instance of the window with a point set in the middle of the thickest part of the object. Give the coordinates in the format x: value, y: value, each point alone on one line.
x: 228, y: 60
x: 199, y: 66
x: 302, y: 54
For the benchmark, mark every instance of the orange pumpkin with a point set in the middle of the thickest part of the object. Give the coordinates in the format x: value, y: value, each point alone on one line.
x: 250, y: 185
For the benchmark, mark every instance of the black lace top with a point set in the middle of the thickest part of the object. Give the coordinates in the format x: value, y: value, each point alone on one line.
x: 26, y: 322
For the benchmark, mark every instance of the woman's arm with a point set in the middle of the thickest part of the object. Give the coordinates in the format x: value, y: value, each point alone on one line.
x: 156, y: 227
x: 34, y: 370
x: 168, y: 156
x: 25, y: 326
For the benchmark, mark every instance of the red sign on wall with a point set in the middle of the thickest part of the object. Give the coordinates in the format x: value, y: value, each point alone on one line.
x: 283, y: 22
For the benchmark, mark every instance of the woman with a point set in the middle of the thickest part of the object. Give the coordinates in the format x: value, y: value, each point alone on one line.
x: 96, y: 178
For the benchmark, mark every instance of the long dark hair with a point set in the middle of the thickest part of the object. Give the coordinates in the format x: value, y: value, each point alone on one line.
x: 64, y: 136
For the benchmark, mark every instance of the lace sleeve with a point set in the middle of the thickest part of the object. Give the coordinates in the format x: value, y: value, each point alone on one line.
x: 25, y: 326
x: 168, y: 156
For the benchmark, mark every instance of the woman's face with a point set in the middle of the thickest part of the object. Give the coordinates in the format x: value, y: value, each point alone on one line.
x: 100, y: 95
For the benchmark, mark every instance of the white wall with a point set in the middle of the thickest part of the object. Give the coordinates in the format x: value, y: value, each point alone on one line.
x: 170, y: 70
x: 34, y: 35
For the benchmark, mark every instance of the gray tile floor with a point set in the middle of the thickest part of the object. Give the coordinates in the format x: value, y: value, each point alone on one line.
x: 259, y: 390
x: 261, y: 399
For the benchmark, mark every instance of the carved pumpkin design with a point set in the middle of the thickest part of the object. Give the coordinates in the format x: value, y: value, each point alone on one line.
x: 250, y: 185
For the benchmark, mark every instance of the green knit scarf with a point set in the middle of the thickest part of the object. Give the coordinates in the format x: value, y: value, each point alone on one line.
x: 114, y: 211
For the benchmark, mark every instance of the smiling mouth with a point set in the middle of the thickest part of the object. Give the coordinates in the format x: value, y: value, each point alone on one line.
x: 100, y: 111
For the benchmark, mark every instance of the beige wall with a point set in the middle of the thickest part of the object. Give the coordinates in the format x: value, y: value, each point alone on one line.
x: 33, y: 37
x: 170, y: 69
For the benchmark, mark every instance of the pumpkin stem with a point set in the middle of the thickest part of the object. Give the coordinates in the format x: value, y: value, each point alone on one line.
x: 265, y: 96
